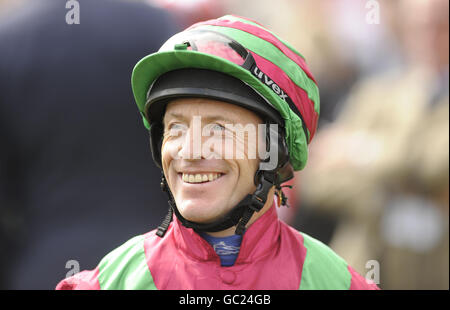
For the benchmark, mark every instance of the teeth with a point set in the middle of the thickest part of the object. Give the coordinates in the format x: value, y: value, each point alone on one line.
x: 199, y: 178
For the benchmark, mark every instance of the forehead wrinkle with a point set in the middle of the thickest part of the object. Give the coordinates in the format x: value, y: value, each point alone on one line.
x: 211, y: 118
x: 176, y: 115
x: 205, y: 118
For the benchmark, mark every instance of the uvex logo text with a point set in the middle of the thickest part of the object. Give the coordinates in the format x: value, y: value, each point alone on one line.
x: 269, y: 82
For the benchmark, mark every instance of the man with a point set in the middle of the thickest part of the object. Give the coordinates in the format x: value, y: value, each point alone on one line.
x: 203, y: 96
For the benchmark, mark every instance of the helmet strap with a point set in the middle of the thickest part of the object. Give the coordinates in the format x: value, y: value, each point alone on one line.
x: 258, y: 199
x: 240, y: 215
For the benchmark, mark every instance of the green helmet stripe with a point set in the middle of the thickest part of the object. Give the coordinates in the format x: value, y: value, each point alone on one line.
x: 274, y: 55
x: 236, y: 18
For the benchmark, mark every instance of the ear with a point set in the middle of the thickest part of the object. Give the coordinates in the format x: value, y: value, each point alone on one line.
x: 275, y: 140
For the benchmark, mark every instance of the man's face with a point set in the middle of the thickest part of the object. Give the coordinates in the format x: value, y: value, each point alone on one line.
x: 206, y: 177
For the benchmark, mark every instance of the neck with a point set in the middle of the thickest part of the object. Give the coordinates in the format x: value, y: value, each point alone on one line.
x: 230, y: 231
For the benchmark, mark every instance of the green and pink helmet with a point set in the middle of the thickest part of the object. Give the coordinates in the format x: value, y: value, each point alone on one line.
x: 244, y: 50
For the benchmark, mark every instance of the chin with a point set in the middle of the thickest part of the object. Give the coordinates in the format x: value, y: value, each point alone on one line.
x: 200, y: 211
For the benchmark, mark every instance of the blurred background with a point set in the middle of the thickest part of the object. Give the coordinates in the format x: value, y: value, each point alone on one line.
x: 76, y: 174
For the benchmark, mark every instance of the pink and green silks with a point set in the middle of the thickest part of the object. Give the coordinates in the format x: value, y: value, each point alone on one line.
x: 273, y: 256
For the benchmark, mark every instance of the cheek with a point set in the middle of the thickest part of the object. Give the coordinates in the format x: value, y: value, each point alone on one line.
x: 168, y: 153
x: 170, y: 148
x: 247, y: 170
x: 165, y: 158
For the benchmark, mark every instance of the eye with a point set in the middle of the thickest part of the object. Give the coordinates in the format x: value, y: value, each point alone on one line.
x: 217, y: 127
x: 176, y: 126
x: 174, y: 129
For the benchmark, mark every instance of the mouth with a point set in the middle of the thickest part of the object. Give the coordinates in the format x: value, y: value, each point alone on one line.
x: 199, y: 178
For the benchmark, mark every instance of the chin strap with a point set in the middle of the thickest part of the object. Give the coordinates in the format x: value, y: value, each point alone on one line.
x: 258, y: 199
x: 239, y: 215
x: 162, y: 229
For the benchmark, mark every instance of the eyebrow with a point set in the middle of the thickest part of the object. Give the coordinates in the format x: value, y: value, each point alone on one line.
x: 208, y: 118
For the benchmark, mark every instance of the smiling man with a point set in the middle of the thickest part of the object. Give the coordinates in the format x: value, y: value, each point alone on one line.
x: 230, y: 109
x: 206, y: 189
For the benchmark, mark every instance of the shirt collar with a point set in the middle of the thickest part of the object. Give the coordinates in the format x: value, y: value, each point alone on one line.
x: 258, y: 240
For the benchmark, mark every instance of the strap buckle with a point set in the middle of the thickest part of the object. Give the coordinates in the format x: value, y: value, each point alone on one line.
x: 259, y: 198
